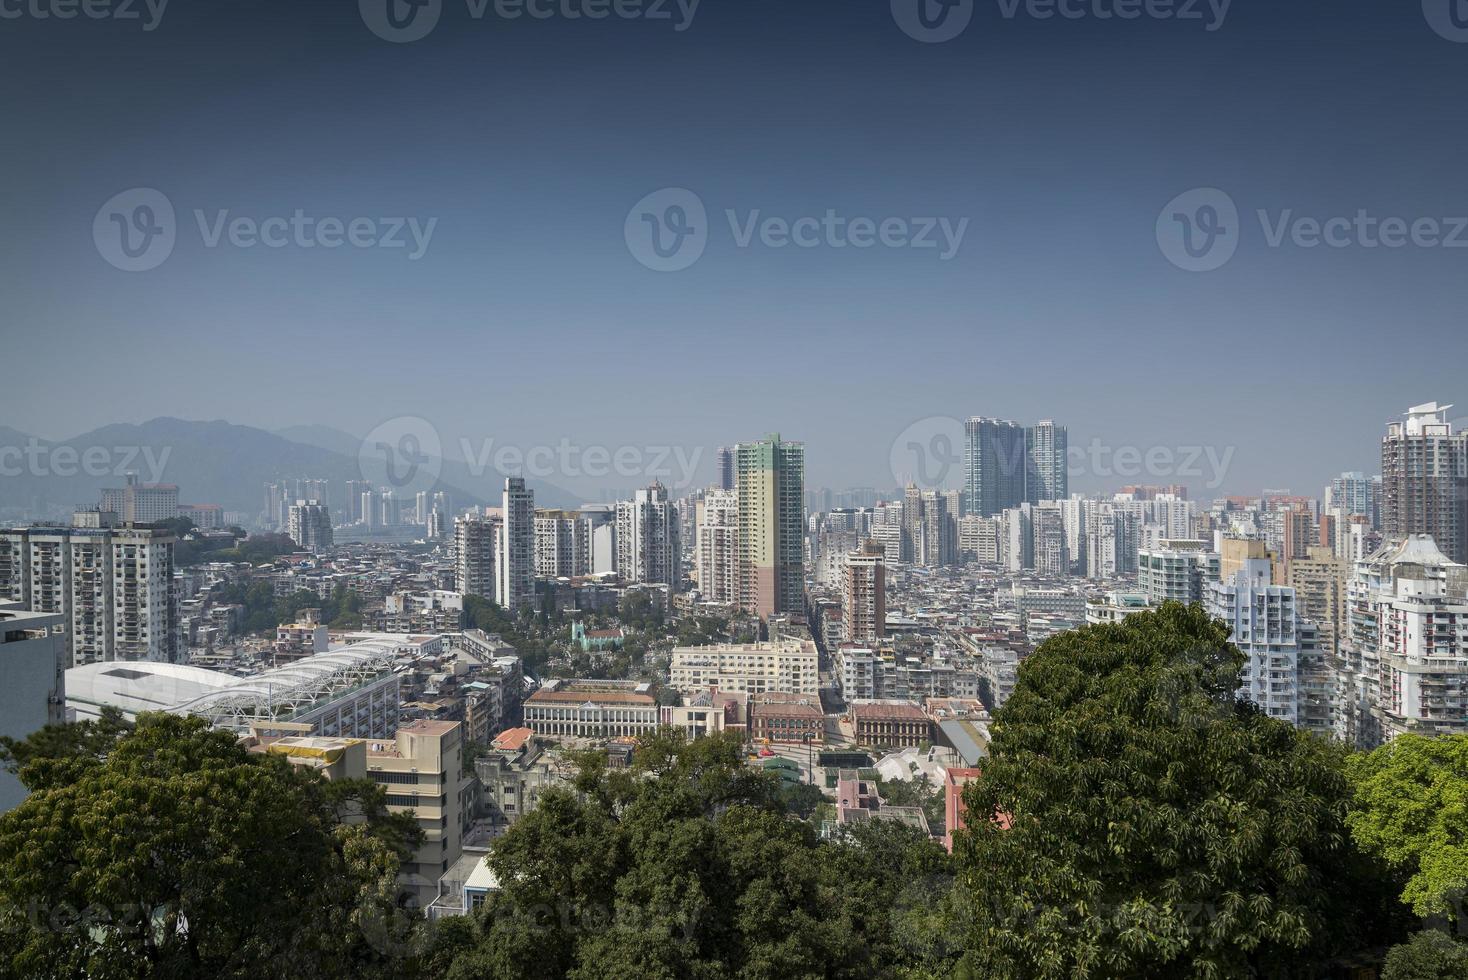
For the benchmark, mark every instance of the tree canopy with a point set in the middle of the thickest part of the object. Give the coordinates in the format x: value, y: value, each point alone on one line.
x: 167, y: 850
x: 1135, y: 819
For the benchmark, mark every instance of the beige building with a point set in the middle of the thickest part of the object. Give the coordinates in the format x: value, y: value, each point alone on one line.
x: 864, y: 595
x: 790, y: 666
x: 420, y: 770
x: 1319, y: 580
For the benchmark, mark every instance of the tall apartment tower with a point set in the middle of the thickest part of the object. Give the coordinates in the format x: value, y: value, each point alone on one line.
x: 1424, y: 479
x: 310, y: 525
x: 770, y: 477
x: 475, y: 538
x: 716, y: 552
x: 864, y: 595
x: 994, y: 464
x: 726, y: 467
x: 516, y: 564
x: 1353, y: 493
x: 1046, y: 474
x: 648, y: 542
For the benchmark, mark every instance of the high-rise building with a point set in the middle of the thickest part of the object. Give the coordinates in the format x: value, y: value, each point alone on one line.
x: 978, y: 539
x: 475, y: 540
x: 1177, y: 570
x: 994, y: 464
x: 1047, y: 474
x: 310, y: 525
x: 1407, y: 652
x: 1319, y: 580
x: 770, y: 478
x: 113, y: 586
x: 1052, y: 553
x: 355, y: 490
x: 726, y: 467
x: 1424, y: 479
x: 1354, y: 493
x: 516, y: 559
x: 864, y: 595
x: 717, y: 551
x: 648, y: 548
x: 562, y: 544
x: 1267, y: 630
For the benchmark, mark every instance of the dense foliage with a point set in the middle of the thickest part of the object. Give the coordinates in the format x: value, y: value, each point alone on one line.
x: 1144, y: 822
x: 167, y: 850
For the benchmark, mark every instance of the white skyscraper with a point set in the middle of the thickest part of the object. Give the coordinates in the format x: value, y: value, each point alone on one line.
x: 474, y: 555
x: 716, y: 554
x: 309, y: 524
x: 516, y: 566
x: 648, y: 549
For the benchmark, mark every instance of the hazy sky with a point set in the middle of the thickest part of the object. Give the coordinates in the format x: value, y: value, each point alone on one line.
x: 527, y: 318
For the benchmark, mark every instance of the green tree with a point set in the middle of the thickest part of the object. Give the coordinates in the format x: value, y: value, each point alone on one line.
x: 1428, y: 955
x: 687, y: 865
x: 1411, y: 810
x: 168, y: 851
x: 1136, y: 820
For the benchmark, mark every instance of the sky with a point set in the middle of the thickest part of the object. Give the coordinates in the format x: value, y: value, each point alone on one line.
x: 1054, y: 163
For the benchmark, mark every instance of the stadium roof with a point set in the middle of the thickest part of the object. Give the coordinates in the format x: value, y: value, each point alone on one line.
x: 224, y: 699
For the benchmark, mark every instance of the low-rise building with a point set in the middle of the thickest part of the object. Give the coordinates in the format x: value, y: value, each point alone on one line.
x: 787, y: 718
x: 890, y: 723
x: 592, y: 709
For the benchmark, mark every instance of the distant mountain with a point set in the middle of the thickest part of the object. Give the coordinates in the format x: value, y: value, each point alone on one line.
x: 211, y: 462
x: 323, y: 437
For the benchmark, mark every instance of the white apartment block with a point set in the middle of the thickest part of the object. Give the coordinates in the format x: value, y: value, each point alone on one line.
x: 1177, y: 570
x: 716, y: 553
x: 1267, y: 630
x: 788, y: 666
x: 475, y: 543
x: 648, y: 549
x: 113, y: 586
x: 1408, y: 642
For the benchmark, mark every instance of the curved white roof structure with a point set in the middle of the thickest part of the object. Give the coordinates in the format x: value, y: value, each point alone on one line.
x: 224, y: 699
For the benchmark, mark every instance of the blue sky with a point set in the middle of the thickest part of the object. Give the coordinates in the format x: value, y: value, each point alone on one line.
x: 528, y: 320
